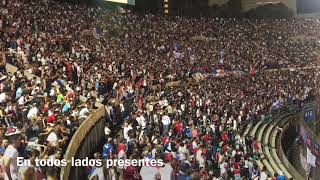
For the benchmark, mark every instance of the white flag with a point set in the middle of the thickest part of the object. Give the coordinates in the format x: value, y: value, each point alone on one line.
x: 311, y: 159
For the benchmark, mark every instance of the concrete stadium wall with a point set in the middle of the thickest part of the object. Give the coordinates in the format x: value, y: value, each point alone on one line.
x: 250, y: 4
x: 216, y: 2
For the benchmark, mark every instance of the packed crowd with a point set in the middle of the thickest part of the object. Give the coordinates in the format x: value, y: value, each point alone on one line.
x: 82, y: 55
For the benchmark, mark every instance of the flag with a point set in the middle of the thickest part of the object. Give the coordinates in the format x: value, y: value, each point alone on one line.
x: 252, y: 71
x: 222, y: 53
x: 311, y: 159
x: 220, y: 72
x: 199, y: 76
x: 221, y: 60
x: 202, y: 76
x: 176, y: 46
x: 178, y: 55
x: 276, y: 105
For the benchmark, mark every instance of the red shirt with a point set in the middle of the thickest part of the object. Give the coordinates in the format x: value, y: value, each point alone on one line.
x: 194, y: 132
x: 165, y: 140
x: 178, y: 127
x: 132, y: 173
x: 237, y: 171
x: 119, y: 148
x: 207, y: 137
x: 225, y: 136
x: 256, y: 145
x: 51, y: 118
x: 45, y: 108
x: 69, y: 67
x: 70, y: 96
x: 252, y: 71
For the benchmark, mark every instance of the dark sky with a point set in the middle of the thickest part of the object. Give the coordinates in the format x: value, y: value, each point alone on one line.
x: 308, y: 6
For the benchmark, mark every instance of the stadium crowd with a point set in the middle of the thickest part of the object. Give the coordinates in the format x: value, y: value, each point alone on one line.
x: 79, y: 55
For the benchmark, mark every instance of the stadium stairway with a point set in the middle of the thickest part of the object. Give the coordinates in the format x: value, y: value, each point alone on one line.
x: 269, y: 146
x: 267, y: 133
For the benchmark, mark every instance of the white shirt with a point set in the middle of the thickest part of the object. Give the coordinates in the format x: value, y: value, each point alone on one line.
x: 166, y: 172
x: 12, y: 153
x: 109, y: 109
x: 198, y: 113
x: 32, y: 112
x: 83, y: 112
x: 52, y: 92
x: 52, y: 138
x: 2, y: 97
x: 107, y: 131
x: 21, y: 100
x: 199, y: 155
x: 141, y: 121
x: 222, y: 168
x: 149, y: 173
x: 8, y: 109
x: 122, y: 155
x: 263, y: 176
x: 200, y: 159
x: 169, y: 109
x: 125, y: 132
x: 194, y: 144
x: 184, y: 153
x: 165, y: 103
x: 121, y: 108
x: 75, y: 113
x: 33, y: 92
x: 182, y: 107
x: 166, y: 120
x: 150, y: 107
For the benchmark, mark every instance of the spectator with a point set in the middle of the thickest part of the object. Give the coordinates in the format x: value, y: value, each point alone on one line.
x: 107, y: 149
x: 281, y: 176
x: 11, y: 154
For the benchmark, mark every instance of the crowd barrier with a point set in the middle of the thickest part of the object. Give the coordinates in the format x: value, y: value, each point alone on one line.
x: 282, y: 155
x: 83, y: 144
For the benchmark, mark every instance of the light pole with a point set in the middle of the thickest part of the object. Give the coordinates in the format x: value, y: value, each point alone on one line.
x: 165, y: 7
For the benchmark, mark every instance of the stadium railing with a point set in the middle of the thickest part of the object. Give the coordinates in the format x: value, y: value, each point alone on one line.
x: 282, y: 156
x: 84, y: 142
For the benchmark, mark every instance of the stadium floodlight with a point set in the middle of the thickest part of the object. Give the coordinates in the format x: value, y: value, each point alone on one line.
x: 130, y: 2
x: 269, y: 2
x: 166, y: 7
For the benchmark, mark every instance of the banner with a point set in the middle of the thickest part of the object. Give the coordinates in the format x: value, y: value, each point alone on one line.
x: 308, y: 115
x: 311, y: 159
